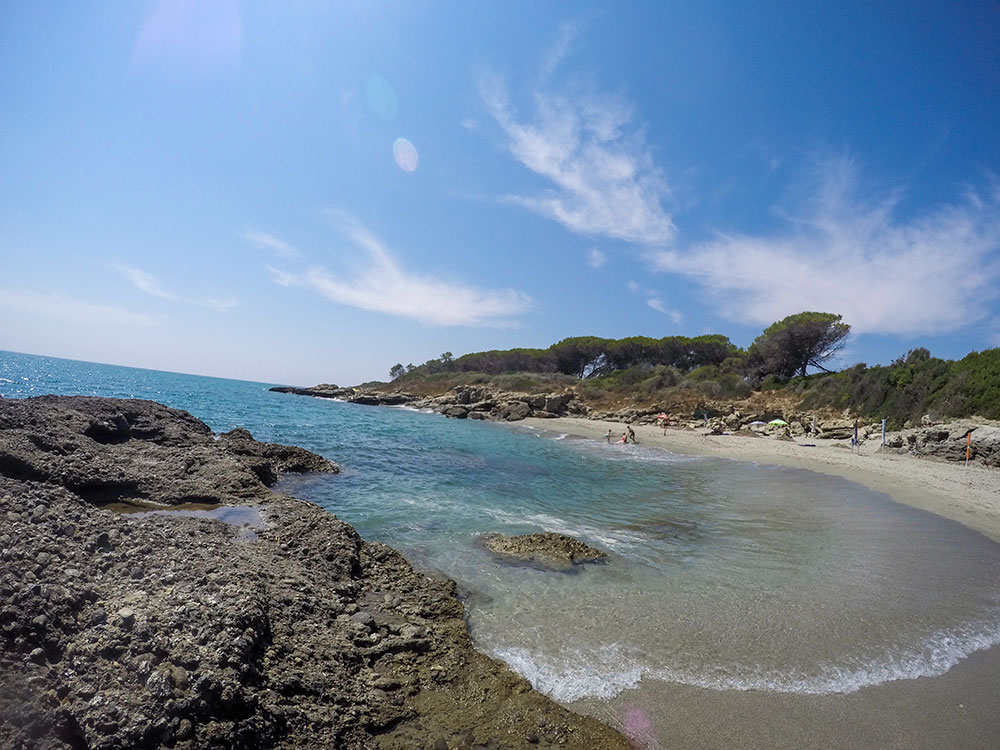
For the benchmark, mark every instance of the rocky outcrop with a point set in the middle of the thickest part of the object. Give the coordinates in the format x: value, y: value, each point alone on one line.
x: 949, y: 442
x: 166, y: 630
x: 103, y: 451
x: 546, y: 549
x: 472, y: 402
x: 350, y: 395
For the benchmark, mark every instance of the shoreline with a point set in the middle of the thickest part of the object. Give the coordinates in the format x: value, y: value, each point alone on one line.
x: 277, y: 627
x: 969, y: 495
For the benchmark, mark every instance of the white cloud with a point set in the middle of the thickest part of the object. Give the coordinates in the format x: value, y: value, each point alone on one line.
x: 558, y: 51
x: 65, y: 309
x: 382, y: 285
x: 272, y: 243
x: 654, y: 302
x: 595, y: 258
x: 657, y: 304
x: 604, y: 180
x: 145, y: 282
x: 929, y: 274
x: 148, y: 284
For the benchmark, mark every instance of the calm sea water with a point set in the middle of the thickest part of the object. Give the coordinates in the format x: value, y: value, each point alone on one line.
x: 724, y: 575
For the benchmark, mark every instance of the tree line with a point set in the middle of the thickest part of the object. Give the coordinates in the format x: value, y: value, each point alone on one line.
x: 783, y: 350
x: 779, y: 358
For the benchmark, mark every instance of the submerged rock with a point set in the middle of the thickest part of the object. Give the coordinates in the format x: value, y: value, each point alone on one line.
x: 546, y: 549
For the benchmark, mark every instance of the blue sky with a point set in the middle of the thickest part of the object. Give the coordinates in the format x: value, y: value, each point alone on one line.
x: 304, y: 192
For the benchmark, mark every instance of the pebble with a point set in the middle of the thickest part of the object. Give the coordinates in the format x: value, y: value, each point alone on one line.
x: 127, y: 616
x: 184, y: 730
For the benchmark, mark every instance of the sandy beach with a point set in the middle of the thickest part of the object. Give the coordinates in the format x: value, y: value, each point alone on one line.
x: 955, y: 710
x: 969, y: 495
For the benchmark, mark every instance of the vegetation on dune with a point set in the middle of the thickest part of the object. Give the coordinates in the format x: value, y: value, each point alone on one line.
x: 912, y: 386
x: 682, y: 370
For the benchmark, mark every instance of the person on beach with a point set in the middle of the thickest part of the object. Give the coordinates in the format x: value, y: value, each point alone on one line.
x: 631, y: 434
x: 624, y: 438
x: 609, y: 436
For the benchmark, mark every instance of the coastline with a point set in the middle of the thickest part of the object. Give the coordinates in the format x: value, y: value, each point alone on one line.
x: 156, y: 592
x: 969, y: 495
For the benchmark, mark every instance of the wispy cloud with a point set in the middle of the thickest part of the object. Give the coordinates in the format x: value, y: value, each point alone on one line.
x: 927, y: 274
x: 66, y: 309
x: 272, y: 243
x: 657, y: 304
x: 595, y: 258
x: 654, y: 302
x: 559, y: 49
x: 147, y: 283
x: 382, y: 285
x: 603, y: 178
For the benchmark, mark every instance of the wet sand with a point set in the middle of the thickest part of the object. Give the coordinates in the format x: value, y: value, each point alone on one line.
x: 957, y: 710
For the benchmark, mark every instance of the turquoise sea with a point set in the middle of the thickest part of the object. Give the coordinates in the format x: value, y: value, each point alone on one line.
x: 724, y: 576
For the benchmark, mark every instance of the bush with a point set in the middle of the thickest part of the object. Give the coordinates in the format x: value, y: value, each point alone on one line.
x: 978, y: 375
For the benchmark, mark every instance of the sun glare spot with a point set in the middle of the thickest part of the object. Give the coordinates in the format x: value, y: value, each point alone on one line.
x: 382, y: 98
x: 405, y: 154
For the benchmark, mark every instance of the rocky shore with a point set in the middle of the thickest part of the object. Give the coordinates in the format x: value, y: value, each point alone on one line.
x: 275, y: 626
x: 748, y: 418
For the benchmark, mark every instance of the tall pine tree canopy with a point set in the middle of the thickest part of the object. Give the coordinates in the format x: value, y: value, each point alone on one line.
x: 792, y: 345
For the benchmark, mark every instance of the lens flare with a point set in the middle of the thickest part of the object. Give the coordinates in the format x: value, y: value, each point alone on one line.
x: 405, y: 154
x: 382, y: 98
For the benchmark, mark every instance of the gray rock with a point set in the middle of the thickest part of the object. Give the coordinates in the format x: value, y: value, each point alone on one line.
x: 515, y: 411
x: 556, y: 404
x: 547, y: 549
x: 217, y: 643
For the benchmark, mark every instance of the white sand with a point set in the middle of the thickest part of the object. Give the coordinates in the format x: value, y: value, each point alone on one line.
x: 969, y: 495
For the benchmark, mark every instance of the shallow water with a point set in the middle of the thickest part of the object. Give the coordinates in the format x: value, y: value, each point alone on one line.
x: 724, y: 576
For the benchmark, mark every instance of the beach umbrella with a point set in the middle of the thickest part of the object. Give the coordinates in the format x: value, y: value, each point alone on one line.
x: 779, y: 422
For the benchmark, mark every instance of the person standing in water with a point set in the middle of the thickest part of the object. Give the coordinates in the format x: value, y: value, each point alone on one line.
x: 631, y: 434
x: 609, y: 436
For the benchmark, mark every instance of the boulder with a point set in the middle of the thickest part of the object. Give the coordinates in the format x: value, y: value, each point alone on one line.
x: 557, y: 403
x: 836, y: 429
x: 514, y: 411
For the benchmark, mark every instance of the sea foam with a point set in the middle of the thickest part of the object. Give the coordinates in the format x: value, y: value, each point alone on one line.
x: 605, y: 672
